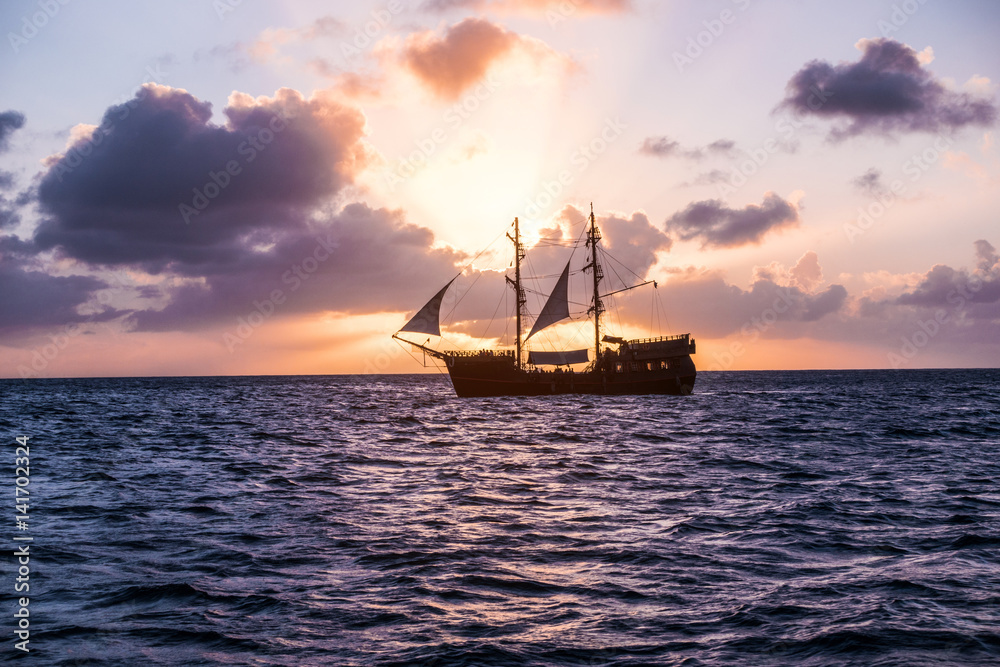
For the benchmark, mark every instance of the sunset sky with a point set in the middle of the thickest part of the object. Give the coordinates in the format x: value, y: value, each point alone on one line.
x: 215, y: 187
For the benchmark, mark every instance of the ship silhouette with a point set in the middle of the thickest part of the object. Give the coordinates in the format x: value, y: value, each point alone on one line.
x: 660, y: 365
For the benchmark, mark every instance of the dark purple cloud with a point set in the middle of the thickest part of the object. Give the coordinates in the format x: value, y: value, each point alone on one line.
x: 709, y: 306
x: 271, y: 178
x: 829, y: 301
x: 718, y: 225
x: 9, y: 216
x: 33, y: 298
x: 10, y: 121
x: 664, y: 147
x: 359, y: 260
x: 141, y: 192
x: 887, y: 91
x: 946, y: 287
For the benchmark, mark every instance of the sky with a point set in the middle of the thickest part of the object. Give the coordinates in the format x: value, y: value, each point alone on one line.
x: 215, y: 187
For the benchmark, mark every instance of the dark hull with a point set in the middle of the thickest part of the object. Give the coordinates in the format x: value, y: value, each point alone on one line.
x: 496, y: 378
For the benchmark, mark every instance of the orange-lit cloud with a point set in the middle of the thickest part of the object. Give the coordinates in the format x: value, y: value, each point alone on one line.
x: 565, y: 8
x: 451, y: 63
x: 270, y: 39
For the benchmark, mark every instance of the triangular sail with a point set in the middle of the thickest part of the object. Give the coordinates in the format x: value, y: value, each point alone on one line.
x: 428, y: 319
x: 556, y: 308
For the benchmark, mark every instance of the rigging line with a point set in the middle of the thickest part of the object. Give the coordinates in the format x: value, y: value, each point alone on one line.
x: 666, y: 319
x: 493, y: 317
x: 506, y: 320
x: 490, y: 245
x: 546, y: 294
x: 611, y: 266
x: 495, y: 311
x: 464, y: 294
x: 622, y: 264
x: 653, y: 311
x: 545, y: 243
x: 550, y: 275
x: 478, y: 273
x: 532, y: 269
x: 618, y: 317
x: 422, y: 362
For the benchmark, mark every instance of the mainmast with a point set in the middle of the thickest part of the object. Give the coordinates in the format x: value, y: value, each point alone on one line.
x: 592, y: 238
x: 520, y: 297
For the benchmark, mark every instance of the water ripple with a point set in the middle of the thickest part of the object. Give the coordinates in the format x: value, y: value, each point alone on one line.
x: 806, y: 518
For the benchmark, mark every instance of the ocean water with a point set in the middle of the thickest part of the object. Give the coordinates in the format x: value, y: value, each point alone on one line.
x: 807, y: 518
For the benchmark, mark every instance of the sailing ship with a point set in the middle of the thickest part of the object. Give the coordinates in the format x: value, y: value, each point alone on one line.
x: 660, y: 365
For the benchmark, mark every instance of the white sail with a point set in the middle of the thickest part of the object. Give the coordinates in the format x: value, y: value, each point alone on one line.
x: 558, y: 358
x: 428, y: 319
x: 556, y: 308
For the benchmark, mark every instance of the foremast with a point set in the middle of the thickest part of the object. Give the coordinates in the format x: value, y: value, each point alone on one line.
x: 520, y: 297
x: 593, y: 236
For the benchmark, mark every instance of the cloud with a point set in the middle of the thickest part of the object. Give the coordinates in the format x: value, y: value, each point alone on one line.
x: 632, y: 242
x: 357, y: 260
x: 142, y: 196
x: 946, y: 287
x: 889, y: 90
x: 272, y: 224
x: 704, y: 303
x: 33, y: 298
x: 870, y: 182
x: 565, y: 8
x: 829, y: 301
x: 450, y: 64
x: 10, y: 121
x: 664, y: 147
x: 267, y: 43
x: 717, y: 225
x: 478, y: 144
x: 9, y: 216
x: 711, y: 177
x: 807, y: 272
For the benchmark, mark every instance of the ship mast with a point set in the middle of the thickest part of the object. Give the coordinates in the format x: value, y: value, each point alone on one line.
x: 593, y: 237
x: 520, y: 297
